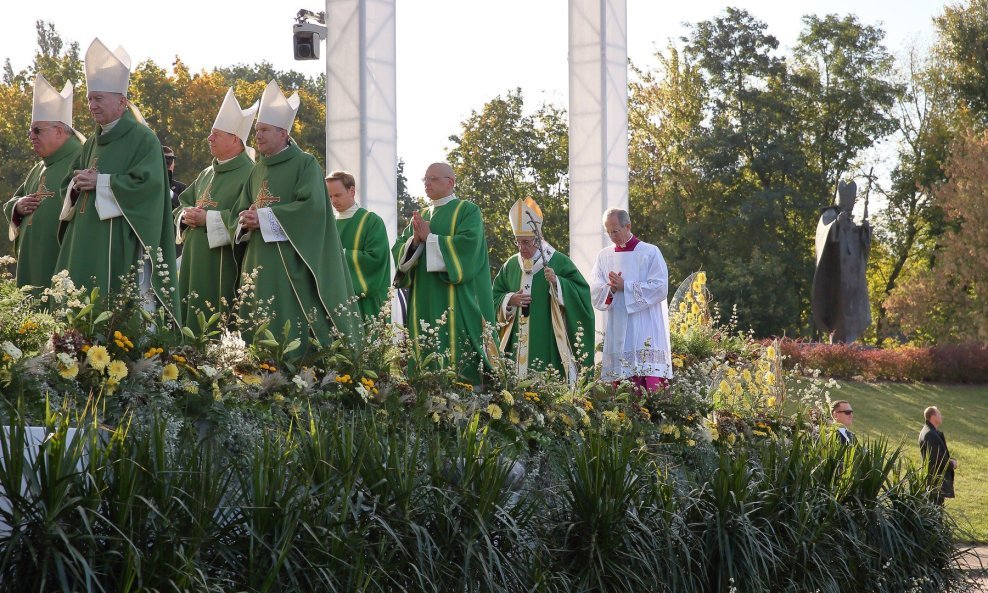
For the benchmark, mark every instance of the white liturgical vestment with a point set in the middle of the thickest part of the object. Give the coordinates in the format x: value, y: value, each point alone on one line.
x: 636, y: 334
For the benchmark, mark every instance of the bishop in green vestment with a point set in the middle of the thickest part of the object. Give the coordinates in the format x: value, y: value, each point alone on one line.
x: 117, y: 209
x: 290, y: 236
x: 443, y: 258
x: 206, y: 211
x: 365, y: 244
x: 33, y: 211
x: 544, y: 313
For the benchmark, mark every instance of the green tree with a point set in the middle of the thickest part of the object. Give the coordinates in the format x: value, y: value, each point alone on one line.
x: 502, y: 155
x: 962, y: 54
x: 843, y: 77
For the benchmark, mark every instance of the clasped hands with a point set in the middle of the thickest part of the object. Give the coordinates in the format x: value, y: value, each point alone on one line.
x: 248, y: 219
x: 27, y: 205
x: 615, y: 281
x: 420, y: 229
x: 84, y: 179
x: 194, y: 217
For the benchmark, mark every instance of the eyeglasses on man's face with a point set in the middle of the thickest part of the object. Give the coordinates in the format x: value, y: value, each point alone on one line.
x: 433, y: 178
x: 36, y: 130
x: 847, y: 412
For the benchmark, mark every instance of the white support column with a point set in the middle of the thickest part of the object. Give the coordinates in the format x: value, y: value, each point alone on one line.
x: 598, y: 121
x: 361, y: 114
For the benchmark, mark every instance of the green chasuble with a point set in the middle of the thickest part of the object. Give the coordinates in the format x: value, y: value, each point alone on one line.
x: 36, y: 240
x: 208, y: 275
x: 543, y: 351
x: 462, y: 293
x: 101, y: 251
x: 365, y: 246
x: 304, y: 277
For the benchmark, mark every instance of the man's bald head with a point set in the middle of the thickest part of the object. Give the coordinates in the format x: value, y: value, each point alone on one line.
x: 439, y: 181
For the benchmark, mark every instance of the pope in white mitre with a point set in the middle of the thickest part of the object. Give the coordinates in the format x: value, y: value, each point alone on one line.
x: 630, y: 283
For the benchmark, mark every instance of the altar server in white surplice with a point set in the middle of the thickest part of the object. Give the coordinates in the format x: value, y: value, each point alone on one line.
x: 630, y: 283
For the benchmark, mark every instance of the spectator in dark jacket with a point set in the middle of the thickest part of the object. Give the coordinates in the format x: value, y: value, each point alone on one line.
x: 933, y: 447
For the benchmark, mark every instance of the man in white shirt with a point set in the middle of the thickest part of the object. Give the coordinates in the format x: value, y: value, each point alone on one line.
x: 630, y: 283
x: 843, y: 416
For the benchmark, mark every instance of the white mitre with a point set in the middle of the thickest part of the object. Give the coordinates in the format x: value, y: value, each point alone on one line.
x: 51, y: 105
x: 105, y: 70
x: 234, y: 120
x: 276, y: 110
x: 526, y: 217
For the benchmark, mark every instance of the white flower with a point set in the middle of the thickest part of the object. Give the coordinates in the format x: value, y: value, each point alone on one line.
x: 363, y: 391
x: 64, y: 359
x: 301, y: 384
x: 207, y: 370
x: 12, y: 351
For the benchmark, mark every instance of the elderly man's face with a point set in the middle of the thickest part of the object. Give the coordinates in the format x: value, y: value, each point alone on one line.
x: 438, y: 183
x: 341, y: 197
x: 223, y: 145
x: 46, y: 137
x: 270, y: 139
x: 526, y: 246
x: 106, y: 107
x: 619, y: 235
x: 844, y: 415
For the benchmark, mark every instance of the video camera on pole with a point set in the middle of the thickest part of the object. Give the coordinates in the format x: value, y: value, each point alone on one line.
x: 308, y: 32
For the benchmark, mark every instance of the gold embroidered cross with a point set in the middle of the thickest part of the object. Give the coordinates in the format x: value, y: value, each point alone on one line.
x: 43, y: 193
x: 204, y: 201
x: 92, y: 165
x: 264, y: 196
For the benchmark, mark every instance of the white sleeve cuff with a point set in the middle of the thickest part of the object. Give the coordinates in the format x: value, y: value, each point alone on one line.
x: 270, y: 228
x: 507, y: 310
x: 433, y: 256
x: 216, y: 231
x: 106, y: 202
x: 68, y: 209
x: 411, y: 255
x: 13, y: 230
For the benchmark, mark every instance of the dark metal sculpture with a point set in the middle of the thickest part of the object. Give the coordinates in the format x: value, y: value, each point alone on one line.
x: 840, y: 290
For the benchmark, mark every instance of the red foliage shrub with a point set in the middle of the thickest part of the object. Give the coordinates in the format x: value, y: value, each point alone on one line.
x: 962, y: 363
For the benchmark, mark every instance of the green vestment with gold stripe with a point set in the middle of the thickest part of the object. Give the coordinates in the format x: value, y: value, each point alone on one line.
x: 461, y: 295
x: 367, y: 253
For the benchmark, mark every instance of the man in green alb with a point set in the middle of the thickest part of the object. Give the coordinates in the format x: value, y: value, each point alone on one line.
x: 442, y: 257
x: 117, y: 208
x: 543, y: 302
x: 32, y: 213
x: 290, y: 237
x: 206, y: 212
x: 365, y: 244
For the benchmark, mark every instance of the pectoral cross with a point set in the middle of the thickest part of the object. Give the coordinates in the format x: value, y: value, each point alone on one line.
x: 43, y: 193
x: 264, y: 196
x: 92, y: 165
x: 204, y: 201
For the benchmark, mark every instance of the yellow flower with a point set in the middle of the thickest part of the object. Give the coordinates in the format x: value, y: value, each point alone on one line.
x: 343, y: 379
x: 770, y: 352
x: 724, y: 387
x: 695, y: 309
x: 770, y: 378
x: 85, y: 348
x: 435, y: 417
x: 169, y: 373
x: 513, y: 416
x: 682, y: 307
x: 98, y: 357
x: 251, y: 379
x: 701, y: 277
x: 731, y: 439
x: 746, y: 375
x: 117, y: 370
x: 278, y: 398
x: 178, y: 358
x: 770, y: 402
x: 507, y: 397
x: 495, y: 411
x: 677, y: 361
x: 69, y: 372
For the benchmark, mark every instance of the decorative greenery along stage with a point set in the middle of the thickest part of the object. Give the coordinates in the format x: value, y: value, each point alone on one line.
x: 204, y: 463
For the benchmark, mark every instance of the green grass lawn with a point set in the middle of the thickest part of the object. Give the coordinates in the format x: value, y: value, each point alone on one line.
x: 895, y: 410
